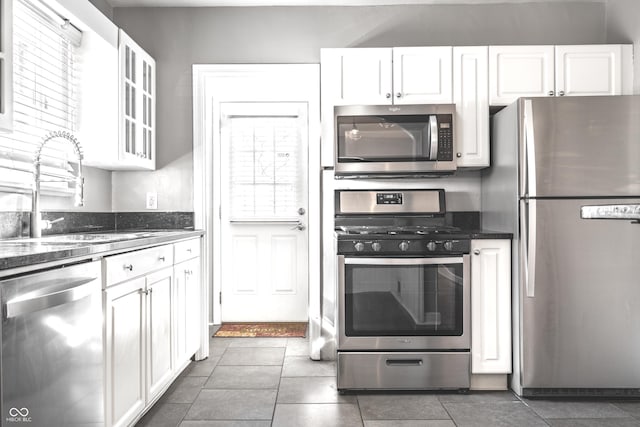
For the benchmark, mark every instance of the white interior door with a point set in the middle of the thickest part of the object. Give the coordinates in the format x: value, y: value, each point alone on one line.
x: 264, y: 237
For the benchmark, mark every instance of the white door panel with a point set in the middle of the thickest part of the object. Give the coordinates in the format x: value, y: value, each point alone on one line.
x: 283, y: 262
x: 244, y: 280
x: 263, y: 222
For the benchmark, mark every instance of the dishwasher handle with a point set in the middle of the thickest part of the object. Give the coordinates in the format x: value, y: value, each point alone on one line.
x: 31, y: 302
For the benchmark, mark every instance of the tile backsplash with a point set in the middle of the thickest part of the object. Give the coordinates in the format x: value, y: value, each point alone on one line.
x: 17, y: 224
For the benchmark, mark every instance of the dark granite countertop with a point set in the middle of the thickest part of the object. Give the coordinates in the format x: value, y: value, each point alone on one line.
x: 487, y: 234
x: 26, y: 254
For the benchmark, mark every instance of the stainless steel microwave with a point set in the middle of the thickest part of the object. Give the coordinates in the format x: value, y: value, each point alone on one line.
x: 372, y: 140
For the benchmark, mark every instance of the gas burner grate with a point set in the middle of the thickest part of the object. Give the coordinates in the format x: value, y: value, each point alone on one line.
x: 394, y: 230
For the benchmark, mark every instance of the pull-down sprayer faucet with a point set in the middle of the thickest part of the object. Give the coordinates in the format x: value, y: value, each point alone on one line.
x: 36, y: 220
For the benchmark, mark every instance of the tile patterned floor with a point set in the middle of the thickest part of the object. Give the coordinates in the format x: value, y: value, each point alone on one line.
x: 271, y: 382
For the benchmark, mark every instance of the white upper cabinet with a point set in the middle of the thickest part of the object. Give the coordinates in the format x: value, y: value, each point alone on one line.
x: 6, y: 66
x: 516, y: 71
x: 137, y: 104
x: 378, y: 76
x: 471, y: 97
x: 356, y: 76
x: 117, y: 106
x: 590, y: 70
x: 422, y: 75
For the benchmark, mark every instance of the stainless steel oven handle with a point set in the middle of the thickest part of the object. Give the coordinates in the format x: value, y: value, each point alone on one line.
x: 403, y: 261
x: 433, y: 137
x: 404, y: 362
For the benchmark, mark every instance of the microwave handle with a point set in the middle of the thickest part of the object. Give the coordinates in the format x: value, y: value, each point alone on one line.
x: 433, y: 137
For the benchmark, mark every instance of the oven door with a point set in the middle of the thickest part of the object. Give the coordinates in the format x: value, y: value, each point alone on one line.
x: 396, y: 304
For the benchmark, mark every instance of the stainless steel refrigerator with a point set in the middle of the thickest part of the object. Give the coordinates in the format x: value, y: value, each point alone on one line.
x: 565, y: 180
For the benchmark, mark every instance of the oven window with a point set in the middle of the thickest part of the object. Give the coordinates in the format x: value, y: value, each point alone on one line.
x: 403, y: 300
x: 383, y: 138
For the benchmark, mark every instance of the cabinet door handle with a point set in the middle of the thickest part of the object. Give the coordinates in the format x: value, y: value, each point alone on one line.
x: 388, y: 95
x: 476, y: 251
x: 561, y: 93
x: 161, y: 259
x: 551, y: 93
x: 128, y: 267
x: 399, y: 95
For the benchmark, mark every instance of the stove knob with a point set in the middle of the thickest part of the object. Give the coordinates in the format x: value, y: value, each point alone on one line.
x: 359, y: 246
x: 431, y: 246
x: 376, y: 246
x: 403, y: 246
x: 448, y: 245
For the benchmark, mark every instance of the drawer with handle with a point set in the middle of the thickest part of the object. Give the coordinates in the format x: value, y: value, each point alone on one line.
x: 186, y: 250
x: 119, y: 268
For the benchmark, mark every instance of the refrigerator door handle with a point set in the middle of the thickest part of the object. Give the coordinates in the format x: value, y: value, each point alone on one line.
x: 529, y: 173
x: 528, y: 245
x: 617, y: 211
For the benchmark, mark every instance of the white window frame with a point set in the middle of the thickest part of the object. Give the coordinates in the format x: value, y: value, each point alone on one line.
x: 42, y: 101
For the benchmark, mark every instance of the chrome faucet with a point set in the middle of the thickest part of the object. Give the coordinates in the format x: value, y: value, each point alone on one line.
x: 36, y: 216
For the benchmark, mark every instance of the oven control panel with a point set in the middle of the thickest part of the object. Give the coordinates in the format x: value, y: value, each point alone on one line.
x: 421, y: 247
x: 389, y: 198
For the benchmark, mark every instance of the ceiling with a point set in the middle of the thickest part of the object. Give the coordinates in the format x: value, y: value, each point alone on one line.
x: 214, y: 3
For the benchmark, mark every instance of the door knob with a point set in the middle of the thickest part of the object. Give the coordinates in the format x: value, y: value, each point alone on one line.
x: 299, y: 226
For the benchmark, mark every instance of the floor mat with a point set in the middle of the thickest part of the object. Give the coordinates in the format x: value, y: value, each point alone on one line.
x: 280, y: 329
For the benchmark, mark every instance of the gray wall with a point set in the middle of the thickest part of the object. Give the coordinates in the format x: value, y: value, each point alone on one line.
x: 180, y: 37
x: 104, y: 7
x: 623, y: 26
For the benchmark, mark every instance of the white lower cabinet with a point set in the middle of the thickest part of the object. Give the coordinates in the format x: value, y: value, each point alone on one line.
x: 138, y: 343
x: 125, y: 324
x: 160, y: 302
x: 152, y: 324
x: 491, y: 307
x: 187, y: 296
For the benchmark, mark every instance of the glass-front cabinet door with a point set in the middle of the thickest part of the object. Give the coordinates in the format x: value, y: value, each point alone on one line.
x: 137, y: 104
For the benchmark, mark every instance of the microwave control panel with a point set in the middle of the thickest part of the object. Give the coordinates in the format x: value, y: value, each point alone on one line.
x: 445, y: 137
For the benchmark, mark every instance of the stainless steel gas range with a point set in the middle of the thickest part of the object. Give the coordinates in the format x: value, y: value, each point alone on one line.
x: 403, y: 292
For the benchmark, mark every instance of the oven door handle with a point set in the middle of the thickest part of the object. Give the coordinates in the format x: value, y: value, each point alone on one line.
x: 403, y: 261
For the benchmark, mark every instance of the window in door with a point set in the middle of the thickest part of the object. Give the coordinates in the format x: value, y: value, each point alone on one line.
x: 264, y: 166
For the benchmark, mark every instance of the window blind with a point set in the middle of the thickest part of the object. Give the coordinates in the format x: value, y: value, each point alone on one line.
x: 45, y: 98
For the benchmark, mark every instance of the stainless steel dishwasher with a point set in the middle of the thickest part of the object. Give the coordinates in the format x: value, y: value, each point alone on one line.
x: 51, y: 359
